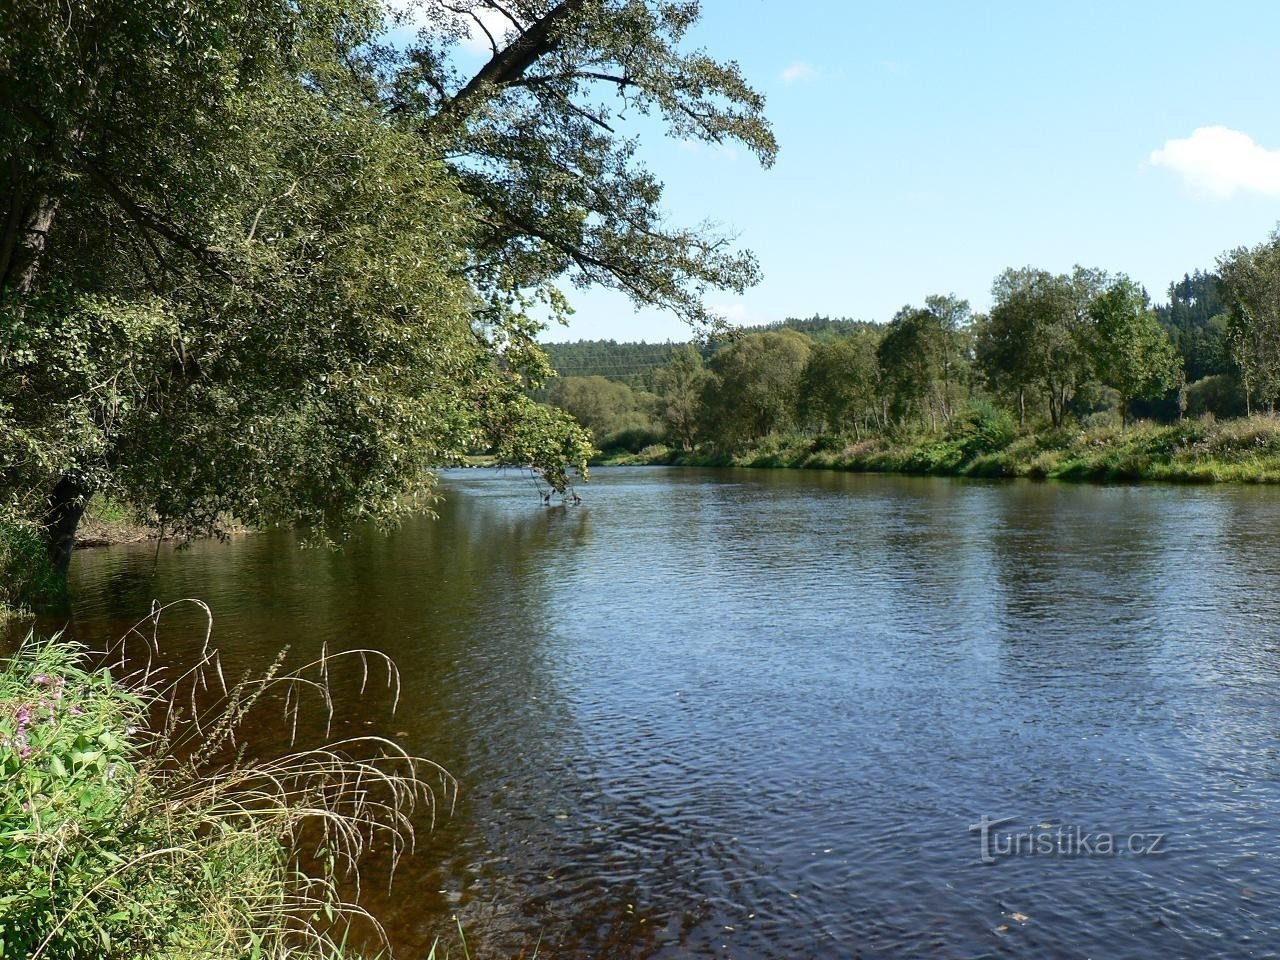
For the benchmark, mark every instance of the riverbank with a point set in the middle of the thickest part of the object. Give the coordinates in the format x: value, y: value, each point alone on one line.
x: 28, y: 580
x: 1232, y: 451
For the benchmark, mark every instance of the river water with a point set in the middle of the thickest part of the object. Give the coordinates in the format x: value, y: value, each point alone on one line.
x: 756, y: 714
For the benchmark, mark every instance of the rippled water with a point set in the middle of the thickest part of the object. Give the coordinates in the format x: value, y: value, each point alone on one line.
x: 754, y: 714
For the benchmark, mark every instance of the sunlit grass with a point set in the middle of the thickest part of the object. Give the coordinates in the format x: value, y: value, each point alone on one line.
x: 135, y: 825
x: 1246, y: 450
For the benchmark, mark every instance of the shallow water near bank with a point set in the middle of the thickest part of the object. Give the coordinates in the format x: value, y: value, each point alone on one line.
x: 755, y: 713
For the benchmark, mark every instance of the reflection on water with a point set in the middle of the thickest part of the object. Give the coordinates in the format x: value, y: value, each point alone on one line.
x: 753, y: 714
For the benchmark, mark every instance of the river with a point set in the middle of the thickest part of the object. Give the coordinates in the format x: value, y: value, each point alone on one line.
x: 756, y: 713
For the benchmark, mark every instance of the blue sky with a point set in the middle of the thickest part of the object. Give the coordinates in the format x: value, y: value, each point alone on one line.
x: 926, y: 146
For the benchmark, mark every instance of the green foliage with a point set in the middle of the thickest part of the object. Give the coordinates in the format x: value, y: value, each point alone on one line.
x: 1251, y: 287
x: 68, y: 816
x: 634, y: 364
x: 921, y: 360
x: 679, y: 386
x: 754, y: 385
x: 262, y: 265
x: 1038, y: 337
x: 119, y: 843
x: 1132, y: 352
x: 1220, y: 395
x: 981, y: 428
x: 28, y: 580
x: 981, y: 445
x: 841, y: 389
x: 1196, y: 319
x: 541, y: 137
x: 607, y: 409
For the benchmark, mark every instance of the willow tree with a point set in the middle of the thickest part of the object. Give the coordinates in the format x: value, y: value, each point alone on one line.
x: 258, y: 263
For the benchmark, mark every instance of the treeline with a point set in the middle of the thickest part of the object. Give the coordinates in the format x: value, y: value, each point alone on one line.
x: 636, y: 363
x: 1085, y: 347
x: 631, y: 363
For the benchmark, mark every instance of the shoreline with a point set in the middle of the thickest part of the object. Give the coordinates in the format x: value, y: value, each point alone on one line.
x: 1245, y: 451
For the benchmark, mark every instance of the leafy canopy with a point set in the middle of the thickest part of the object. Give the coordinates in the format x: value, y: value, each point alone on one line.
x: 260, y: 262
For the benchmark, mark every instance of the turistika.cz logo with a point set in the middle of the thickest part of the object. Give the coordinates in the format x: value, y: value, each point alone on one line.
x: 1060, y: 840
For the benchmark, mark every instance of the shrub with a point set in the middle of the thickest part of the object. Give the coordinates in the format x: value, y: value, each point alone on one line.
x: 632, y: 440
x: 982, y: 427
x: 1219, y: 395
x: 28, y: 579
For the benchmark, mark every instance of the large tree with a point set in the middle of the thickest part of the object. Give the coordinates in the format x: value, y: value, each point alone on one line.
x: 1037, y: 337
x: 604, y: 407
x: 755, y: 384
x: 539, y: 137
x: 679, y: 384
x: 1251, y: 287
x: 261, y: 263
x: 840, y: 390
x: 1132, y: 351
x: 923, y: 359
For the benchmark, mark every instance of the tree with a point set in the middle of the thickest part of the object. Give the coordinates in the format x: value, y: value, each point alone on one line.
x: 260, y: 263
x: 679, y: 385
x: 1251, y: 288
x: 1037, y: 335
x: 1197, y: 321
x: 841, y: 384
x: 604, y: 407
x: 921, y: 358
x: 755, y: 384
x: 1132, y: 352
x: 537, y: 137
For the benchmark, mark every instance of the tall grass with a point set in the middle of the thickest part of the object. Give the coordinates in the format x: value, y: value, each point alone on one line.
x: 135, y: 825
x: 984, y: 442
x: 28, y: 579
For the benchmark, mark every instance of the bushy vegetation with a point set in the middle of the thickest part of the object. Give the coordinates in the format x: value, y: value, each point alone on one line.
x: 1068, y: 375
x: 27, y: 575
x: 989, y: 445
x: 133, y: 829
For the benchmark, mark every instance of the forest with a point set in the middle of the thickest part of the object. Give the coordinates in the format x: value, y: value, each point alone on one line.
x: 1084, y: 351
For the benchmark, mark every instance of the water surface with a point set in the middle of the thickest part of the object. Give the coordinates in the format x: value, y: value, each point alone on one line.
x: 754, y: 714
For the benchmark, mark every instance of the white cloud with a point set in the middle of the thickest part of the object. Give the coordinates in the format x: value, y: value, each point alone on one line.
x: 1222, y: 162
x: 799, y: 72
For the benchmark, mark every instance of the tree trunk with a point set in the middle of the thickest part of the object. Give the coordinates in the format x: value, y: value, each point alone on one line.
x: 66, y: 507
x: 20, y: 262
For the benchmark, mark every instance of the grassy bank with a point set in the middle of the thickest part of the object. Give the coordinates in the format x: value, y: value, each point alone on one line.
x: 132, y: 829
x: 28, y: 580
x: 1236, y: 451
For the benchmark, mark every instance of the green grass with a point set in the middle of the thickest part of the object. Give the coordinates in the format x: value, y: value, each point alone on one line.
x: 1236, y: 451
x: 133, y: 829
x: 28, y: 580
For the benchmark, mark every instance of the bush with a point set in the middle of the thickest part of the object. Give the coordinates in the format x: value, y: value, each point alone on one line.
x: 114, y: 847
x: 982, y: 427
x: 1219, y: 395
x: 632, y: 440
x: 28, y: 579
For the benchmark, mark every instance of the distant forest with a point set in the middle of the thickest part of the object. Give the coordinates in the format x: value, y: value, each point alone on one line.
x: 1085, y: 347
x: 635, y: 363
